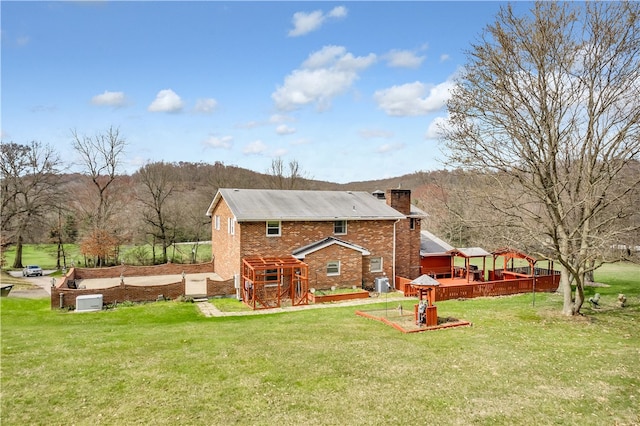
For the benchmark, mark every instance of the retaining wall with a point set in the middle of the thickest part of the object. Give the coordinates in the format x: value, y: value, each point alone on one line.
x: 64, y: 297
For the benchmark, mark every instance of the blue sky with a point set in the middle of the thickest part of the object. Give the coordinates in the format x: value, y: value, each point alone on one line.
x: 351, y: 90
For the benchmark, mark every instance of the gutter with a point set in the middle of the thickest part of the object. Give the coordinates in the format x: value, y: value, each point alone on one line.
x: 394, y: 252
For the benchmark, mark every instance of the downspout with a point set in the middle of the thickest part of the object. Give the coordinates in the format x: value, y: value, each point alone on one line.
x: 394, y: 253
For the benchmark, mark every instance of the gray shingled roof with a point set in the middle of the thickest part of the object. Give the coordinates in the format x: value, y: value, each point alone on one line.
x: 431, y: 245
x: 425, y: 280
x: 270, y: 204
x: 470, y: 252
x: 319, y: 245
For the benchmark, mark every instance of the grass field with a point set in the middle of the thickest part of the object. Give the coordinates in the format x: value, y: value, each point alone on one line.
x: 45, y: 255
x: 165, y: 363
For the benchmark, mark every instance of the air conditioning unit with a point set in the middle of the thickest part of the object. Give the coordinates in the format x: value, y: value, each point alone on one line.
x: 89, y: 303
x: 381, y: 284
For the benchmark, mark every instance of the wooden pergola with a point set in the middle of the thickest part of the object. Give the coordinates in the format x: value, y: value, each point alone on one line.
x: 509, y: 255
x: 267, y: 281
x: 470, y: 272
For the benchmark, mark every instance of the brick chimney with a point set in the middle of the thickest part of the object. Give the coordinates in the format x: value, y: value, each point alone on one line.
x: 399, y: 199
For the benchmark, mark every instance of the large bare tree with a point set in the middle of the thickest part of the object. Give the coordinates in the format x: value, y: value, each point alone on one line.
x: 158, y: 181
x: 100, y: 157
x: 548, y: 105
x: 30, y: 178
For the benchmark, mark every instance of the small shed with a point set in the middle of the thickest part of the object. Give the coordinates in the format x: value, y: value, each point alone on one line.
x: 434, y: 257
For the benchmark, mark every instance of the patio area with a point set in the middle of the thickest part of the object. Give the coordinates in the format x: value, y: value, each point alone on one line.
x: 196, y: 284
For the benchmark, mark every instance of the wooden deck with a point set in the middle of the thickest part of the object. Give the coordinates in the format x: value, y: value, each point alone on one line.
x: 459, y: 288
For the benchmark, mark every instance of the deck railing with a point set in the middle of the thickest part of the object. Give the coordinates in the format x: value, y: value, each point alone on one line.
x: 544, y: 283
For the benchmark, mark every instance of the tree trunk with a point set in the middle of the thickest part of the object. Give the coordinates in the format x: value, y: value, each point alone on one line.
x: 17, y: 262
x: 153, y: 250
x: 565, y: 286
x: 58, y: 255
x: 579, y: 297
x: 164, y: 251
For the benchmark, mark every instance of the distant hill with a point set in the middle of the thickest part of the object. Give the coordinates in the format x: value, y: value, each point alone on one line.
x: 219, y: 175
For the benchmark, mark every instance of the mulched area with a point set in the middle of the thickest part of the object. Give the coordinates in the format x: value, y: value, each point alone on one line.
x: 406, y: 323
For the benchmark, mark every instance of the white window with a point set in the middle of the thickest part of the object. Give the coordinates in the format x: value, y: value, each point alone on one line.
x: 231, y: 226
x: 273, y: 228
x: 376, y: 264
x: 340, y: 227
x: 333, y: 268
x: 271, y: 275
x: 216, y: 222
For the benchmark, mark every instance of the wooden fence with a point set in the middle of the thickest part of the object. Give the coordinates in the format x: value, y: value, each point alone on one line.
x: 545, y: 283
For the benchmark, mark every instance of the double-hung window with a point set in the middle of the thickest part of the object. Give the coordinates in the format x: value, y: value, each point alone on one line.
x: 333, y: 268
x: 340, y: 227
x: 375, y: 264
x: 274, y: 228
x: 216, y: 222
x: 231, y: 226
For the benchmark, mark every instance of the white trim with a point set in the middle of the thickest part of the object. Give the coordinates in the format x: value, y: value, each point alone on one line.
x: 381, y: 264
x: 333, y: 274
x: 311, y: 248
x: 279, y: 228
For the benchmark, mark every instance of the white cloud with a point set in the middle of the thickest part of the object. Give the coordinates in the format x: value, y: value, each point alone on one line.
x: 216, y: 142
x: 114, y: 99
x: 301, y: 141
x: 280, y: 152
x: 283, y: 129
x: 434, y: 129
x: 248, y: 125
x: 403, y: 59
x: 304, y: 23
x: 389, y: 147
x: 255, y: 148
x: 413, y: 98
x: 280, y: 118
x: 206, y: 106
x: 166, y: 101
x: 444, y: 57
x: 338, y: 12
x: 375, y: 134
x: 326, y: 74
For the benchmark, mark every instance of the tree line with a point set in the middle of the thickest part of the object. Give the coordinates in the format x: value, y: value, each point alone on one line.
x: 101, y: 208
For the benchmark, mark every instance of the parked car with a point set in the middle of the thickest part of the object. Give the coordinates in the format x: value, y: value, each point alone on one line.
x: 32, y: 271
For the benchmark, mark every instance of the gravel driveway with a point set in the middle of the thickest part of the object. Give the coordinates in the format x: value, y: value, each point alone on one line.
x: 41, y: 286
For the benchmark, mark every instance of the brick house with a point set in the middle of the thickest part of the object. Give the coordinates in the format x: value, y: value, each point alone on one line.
x: 331, y: 238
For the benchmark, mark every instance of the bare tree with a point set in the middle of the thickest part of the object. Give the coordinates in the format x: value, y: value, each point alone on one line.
x: 100, y: 157
x: 289, y: 176
x: 158, y: 182
x: 30, y: 179
x: 548, y: 104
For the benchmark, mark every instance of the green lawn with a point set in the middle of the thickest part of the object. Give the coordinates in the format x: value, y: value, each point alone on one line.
x: 45, y: 255
x: 164, y: 363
